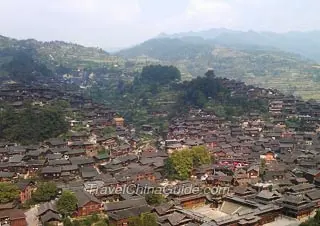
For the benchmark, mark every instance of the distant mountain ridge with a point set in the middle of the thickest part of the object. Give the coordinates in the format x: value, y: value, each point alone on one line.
x: 305, y: 43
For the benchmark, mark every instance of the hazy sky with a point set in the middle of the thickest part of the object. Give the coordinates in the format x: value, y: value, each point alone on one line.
x: 119, y: 23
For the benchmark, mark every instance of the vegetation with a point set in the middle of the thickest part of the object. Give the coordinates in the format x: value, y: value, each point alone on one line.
x: 247, y: 58
x: 181, y: 163
x: 158, y: 75
x: 255, y: 64
x: 24, y: 69
x: 8, y: 192
x: 158, y: 88
x: 208, y: 92
x: 145, y: 219
x: 67, y: 203
x: 93, y: 220
x: 32, y: 124
x: 109, y: 131
x: 60, y: 57
x: 313, y: 221
x: 154, y: 199
x: 67, y: 222
x: 46, y: 191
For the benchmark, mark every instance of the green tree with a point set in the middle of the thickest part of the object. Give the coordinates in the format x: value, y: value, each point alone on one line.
x: 315, y: 221
x: 109, y: 130
x: 200, y: 156
x: 32, y: 124
x: 135, y: 221
x: 24, y: 68
x: 8, y: 192
x: 158, y: 74
x: 148, y: 219
x: 67, y: 203
x: 101, y: 223
x: 76, y: 223
x: 169, y: 169
x: 181, y: 163
x: 154, y: 199
x: 145, y: 219
x: 317, y: 216
x: 45, y: 192
x: 67, y: 222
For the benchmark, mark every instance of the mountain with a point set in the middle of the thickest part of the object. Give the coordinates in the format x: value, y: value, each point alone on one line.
x: 168, y: 49
x: 253, y: 63
x: 304, y: 43
x: 54, y: 53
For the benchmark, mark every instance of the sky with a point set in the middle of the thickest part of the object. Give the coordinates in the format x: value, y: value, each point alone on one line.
x: 122, y: 23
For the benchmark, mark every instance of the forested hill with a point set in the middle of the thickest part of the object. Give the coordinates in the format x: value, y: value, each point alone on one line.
x: 261, y: 66
x: 158, y: 93
x: 52, y: 54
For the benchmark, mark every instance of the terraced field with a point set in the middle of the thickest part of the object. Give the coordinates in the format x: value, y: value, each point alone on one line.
x: 292, y: 83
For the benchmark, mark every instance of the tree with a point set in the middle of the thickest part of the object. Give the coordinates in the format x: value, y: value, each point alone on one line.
x: 148, y: 219
x: 158, y: 74
x: 135, y: 221
x: 8, y: 192
x: 154, y: 199
x: 262, y: 167
x: 24, y: 68
x: 183, y: 163
x: 67, y: 203
x: 109, y: 130
x: 200, y: 156
x: 145, y: 219
x: 45, y: 192
x: 315, y: 221
x: 180, y: 164
x: 76, y: 223
x: 32, y: 124
x: 101, y: 223
x: 317, y: 216
x: 210, y: 73
x: 169, y: 169
x: 67, y: 222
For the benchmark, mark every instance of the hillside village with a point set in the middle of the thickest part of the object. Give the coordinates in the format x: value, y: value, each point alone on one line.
x: 269, y: 165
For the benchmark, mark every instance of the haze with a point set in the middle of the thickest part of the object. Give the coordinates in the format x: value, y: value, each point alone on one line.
x: 121, y: 23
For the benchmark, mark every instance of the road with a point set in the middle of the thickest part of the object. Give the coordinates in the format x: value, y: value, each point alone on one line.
x: 31, y: 216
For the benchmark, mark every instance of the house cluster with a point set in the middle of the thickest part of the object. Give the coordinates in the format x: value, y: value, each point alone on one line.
x: 266, y: 160
x: 264, y: 166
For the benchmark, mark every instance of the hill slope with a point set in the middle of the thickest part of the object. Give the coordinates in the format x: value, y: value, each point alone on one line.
x: 251, y: 63
x: 53, y: 53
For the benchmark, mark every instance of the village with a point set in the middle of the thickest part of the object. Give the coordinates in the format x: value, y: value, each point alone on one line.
x: 269, y: 166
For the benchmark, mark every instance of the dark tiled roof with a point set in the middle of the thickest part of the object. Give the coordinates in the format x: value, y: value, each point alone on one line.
x: 84, y: 197
x: 22, y: 185
x: 44, y: 207
x: 313, y: 195
x: 51, y: 169
x: 49, y: 216
x: 125, y: 214
x: 13, y: 214
x: 6, y: 174
x: 126, y: 204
